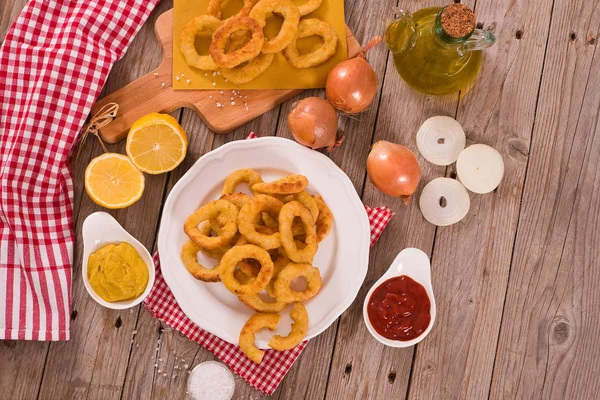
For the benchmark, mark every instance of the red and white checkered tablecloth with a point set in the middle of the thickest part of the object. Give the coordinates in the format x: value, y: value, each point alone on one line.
x: 53, y: 64
x: 265, y: 376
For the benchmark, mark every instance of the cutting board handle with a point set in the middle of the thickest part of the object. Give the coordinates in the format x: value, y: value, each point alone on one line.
x: 152, y: 91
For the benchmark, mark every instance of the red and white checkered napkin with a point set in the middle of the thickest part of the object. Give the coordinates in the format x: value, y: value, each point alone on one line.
x: 53, y: 64
x: 265, y: 376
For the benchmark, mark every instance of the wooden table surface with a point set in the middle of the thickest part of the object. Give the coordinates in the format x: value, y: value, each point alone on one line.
x: 516, y: 282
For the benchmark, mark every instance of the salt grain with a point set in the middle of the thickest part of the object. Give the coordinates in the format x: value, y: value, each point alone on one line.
x: 210, y: 97
x: 233, y: 103
x: 219, y: 105
x: 155, y: 74
x: 211, y: 381
x: 159, y: 371
x: 188, y: 81
x: 165, y: 374
x: 177, y: 78
x: 214, y: 84
x: 162, y: 84
x: 221, y: 92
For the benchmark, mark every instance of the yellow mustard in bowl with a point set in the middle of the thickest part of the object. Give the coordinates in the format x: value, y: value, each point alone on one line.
x: 117, y: 272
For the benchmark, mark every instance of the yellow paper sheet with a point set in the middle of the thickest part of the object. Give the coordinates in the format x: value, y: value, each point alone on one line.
x: 280, y: 74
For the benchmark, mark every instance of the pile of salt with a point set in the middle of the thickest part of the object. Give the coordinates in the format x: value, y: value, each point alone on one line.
x: 211, y: 381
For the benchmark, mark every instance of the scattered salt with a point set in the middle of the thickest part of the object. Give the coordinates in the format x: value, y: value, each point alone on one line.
x: 182, y: 75
x: 159, y: 371
x: 210, y: 97
x: 218, y: 73
x: 233, y: 103
x: 219, y: 105
x: 186, y: 366
x: 221, y: 92
x: 214, y: 84
x: 155, y: 74
x: 177, y: 78
x: 165, y: 374
x: 225, y: 79
x: 160, y: 359
x: 188, y: 81
x: 162, y: 84
x: 211, y: 381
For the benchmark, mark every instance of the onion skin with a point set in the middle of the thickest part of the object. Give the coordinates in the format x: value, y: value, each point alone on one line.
x: 313, y: 123
x: 393, y: 169
x: 351, y: 85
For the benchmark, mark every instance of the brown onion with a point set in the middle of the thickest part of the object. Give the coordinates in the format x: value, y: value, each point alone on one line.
x: 352, y: 84
x: 393, y: 169
x: 314, y: 123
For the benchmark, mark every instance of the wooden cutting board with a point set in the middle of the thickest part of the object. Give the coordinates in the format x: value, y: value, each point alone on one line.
x: 153, y: 93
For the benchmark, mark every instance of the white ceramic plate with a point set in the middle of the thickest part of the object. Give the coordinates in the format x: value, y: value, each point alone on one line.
x: 343, y: 257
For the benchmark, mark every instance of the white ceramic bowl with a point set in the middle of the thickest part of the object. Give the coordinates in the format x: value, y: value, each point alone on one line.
x: 415, y: 264
x: 100, y: 229
x: 343, y: 257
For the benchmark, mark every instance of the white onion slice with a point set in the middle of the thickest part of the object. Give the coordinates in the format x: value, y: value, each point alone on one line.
x: 444, y: 201
x: 480, y: 168
x: 440, y: 140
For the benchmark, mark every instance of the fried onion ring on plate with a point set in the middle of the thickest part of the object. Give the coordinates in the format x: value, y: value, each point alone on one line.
x: 229, y: 264
x: 311, y: 27
x: 247, y: 52
x: 212, y: 210
x: 255, y: 302
x: 246, y: 175
x: 287, y: 214
x: 250, y: 213
x: 291, y: 184
x: 215, y: 6
x: 245, y: 73
x: 289, y: 29
x: 204, y: 24
x: 238, y: 199
x: 324, y: 220
x: 283, y: 290
x: 298, y: 332
x: 309, y: 6
x: 189, y: 256
x: 248, y: 334
x: 278, y: 266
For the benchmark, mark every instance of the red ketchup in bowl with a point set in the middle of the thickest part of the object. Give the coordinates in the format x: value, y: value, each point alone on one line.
x: 399, y: 309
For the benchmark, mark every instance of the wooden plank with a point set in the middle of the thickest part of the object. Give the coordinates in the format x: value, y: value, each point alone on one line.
x: 471, y: 260
x: 548, y: 345
x: 361, y: 366
x: 101, y: 339
x: 308, y: 378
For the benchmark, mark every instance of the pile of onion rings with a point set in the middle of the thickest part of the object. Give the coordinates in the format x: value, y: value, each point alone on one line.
x: 240, y: 50
x: 261, y: 244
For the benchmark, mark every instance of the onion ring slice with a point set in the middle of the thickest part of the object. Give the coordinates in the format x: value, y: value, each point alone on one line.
x: 247, y: 52
x: 291, y: 184
x: 289, y: 29
x: 480, y: 168
x: 309, y: 6
x: 298, y: 332
x: 283, y: 290
x: 246, y: 73
x: 255, y: 302
x: 204, y: 24
x: 250, y: 213
x: 440, y: 140
x: 248, y: 334
x: 214, y: 7
x: 247, y: 175
x: 325, y: 219
x: 287, y: 214
x: 233, y: 257
x: 189, y: 256
x: 212, y: 210
x: 311, y: 27
x: 444, y: 201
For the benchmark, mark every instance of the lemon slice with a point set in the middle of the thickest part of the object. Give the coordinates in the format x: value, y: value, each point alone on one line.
x: 156, y: 143
x: 112, y: 181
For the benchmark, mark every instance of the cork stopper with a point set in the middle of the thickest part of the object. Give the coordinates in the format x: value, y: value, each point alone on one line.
x: 457, y: 20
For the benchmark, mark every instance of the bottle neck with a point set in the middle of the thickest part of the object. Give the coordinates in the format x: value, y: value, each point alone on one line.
x: 441, y: 34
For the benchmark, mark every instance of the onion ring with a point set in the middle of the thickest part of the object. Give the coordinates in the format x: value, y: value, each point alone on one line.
x: 189, y: 256
x: 287, y: 214
x: 250, y: 213
x: 247, y: 175
x: 212, y: 210
x: 287, y: 33
x: 202, y: 24
x: 311, y: 27
x: 238, y: 199
x: 244, y: 74
x: 324, y: 220
x: 283, y: 291
x: 233, y: 257
x: 309, y: 6
x: 291, y: 184
x: 247, y: 52
x: 298, y: 332
x: 248, y: 334
x: 255, y: 302
x: 278, y: 266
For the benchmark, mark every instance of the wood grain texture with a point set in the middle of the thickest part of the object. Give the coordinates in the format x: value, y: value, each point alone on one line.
x: 545, y: 348
x: 153, y: 92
